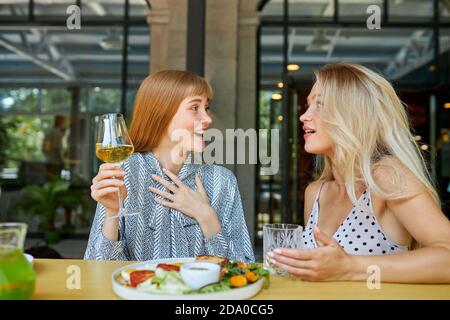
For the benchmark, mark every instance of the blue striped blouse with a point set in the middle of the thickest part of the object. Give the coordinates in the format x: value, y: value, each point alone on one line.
x: 162, y: 232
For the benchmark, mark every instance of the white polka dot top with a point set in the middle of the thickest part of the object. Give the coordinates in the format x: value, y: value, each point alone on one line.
x: 359, y: 234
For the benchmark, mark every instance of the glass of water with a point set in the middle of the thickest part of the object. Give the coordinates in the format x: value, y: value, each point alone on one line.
x: 280, y: 235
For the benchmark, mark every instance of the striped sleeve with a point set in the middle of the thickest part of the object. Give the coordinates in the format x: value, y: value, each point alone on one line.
x: 101, y: 248
x: 233, y: 241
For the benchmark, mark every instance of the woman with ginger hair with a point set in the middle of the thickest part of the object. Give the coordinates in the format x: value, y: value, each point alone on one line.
x: 373, y: 199
x: 186, y: 209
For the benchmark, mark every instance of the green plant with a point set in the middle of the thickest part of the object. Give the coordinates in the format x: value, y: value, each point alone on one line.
x: 46, y: 199
x: 5, y: 142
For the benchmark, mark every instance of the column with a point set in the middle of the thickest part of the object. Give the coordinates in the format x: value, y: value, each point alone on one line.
x: 249, y: 19
x: 167, y: 22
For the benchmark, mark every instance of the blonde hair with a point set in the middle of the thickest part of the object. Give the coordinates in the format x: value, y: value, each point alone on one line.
x: 157, y: 100
x: 368, y: 123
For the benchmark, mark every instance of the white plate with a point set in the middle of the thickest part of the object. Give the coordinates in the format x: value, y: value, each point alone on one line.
x: 134, y: 294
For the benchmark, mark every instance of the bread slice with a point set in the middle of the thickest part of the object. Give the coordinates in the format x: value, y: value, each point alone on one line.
x: 212, y: 259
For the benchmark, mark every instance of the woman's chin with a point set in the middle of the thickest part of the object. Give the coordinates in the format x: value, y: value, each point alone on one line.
x: 313, y: 149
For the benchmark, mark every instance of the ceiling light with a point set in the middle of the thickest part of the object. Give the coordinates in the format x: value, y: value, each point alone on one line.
x: 277, y: 96
x: 280, y: 85
x: 293, y: 67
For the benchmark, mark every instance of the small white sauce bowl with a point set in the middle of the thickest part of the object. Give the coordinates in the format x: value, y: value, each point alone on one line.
x: 200, y: 274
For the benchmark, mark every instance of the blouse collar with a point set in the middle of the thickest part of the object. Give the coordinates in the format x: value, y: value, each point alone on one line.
x: 188, y: 169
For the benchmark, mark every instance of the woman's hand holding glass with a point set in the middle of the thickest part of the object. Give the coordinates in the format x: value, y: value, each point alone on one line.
x: 106, y: 186
x: 193, y: 203
x: 114, y: 146
x: 327, y: 263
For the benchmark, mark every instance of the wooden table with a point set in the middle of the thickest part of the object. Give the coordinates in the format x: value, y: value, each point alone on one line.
x: 52, y: 276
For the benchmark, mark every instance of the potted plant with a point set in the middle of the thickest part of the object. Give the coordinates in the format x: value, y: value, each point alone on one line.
x: 5, y: 142
x: 45, y: 200
x: 81, y: 198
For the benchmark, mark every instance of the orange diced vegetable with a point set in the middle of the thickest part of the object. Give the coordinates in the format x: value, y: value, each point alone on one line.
x: 242, y: 265
x: 251, y: 276
x: 238, y: 281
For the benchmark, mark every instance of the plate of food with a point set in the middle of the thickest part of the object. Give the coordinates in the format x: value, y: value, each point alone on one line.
x: 199, y: 278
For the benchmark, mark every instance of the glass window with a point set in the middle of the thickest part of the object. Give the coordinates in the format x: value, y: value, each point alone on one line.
x: 357, y: 10
x: 273, y: 8
x: 138, y: 64
x: 19, y: 100
x: 444, y: 41
x: 271, y: 51
x: 138, y: 8
x: 55, y: 56
x: 322, y: 9
x: 269, y: 197
x: 23, y: 146
x: 13, y: 8
x: 55, y: 100
x: 90, y: 9
x: 104, y: 100
x: 397, y: 53
x: 138, y: 55
x: 51, y: 8
x: 50, y: 96
x: 300, y: 9
x: 444, y: 10
x: 410, y: 10
x: 84, y: 99
x: 107, y: 8
x: 131, y: 95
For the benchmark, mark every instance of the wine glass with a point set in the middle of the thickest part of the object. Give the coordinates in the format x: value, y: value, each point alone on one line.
x: 114, y: 146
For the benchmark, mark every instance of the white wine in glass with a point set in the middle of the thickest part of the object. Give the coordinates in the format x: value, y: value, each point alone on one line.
x: 117, y: 154
x: 114, y: 146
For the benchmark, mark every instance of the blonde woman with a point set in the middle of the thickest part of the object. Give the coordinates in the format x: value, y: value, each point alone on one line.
x: 187, y: 209
x: 373, y: 200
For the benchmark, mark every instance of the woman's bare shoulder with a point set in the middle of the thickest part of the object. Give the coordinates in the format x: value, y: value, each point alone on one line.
x: 312, y: 188
x: 392, y: 175
x: 310, y: 193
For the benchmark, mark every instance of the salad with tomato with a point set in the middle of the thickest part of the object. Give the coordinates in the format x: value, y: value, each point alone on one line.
x: 163, y: 278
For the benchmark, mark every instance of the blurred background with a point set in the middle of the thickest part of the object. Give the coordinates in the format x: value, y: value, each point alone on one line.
x: 259, y: 56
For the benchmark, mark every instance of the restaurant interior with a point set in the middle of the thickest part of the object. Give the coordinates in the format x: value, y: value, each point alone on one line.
x: 52, y: 78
